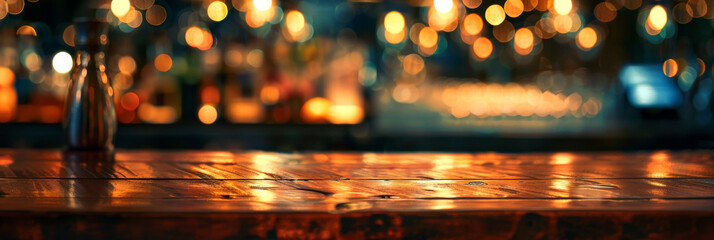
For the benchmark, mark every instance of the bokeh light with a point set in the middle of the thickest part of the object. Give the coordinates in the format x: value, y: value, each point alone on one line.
x: 262, y: 4
x: 605, y: 12
x: 127, y: 65
x: 8, y: 95
x: 682, y: 13
x: 217, y: 11
x: 394, y: 22
x: 156, y: 15
x: 120, y: 7
x: 199, y: 38
x: 163, y: 62
x: 472, y: 3
x: 700, y: 8
x: 194, y: 36
x: 670, y: 68
x: 295, y: 21
x: 143, y: 4
x: 7, y: 77
x: 443, y: 6
x: 444, y: 21
x: 586, y: 38
x: 207, y: 114
x: 3, y: 10
x: 413, y: 64
x: 269, y: 95
x: 513, y: 8
x: 315, y: 110
x: 504, y: 32
x: 657, y: 18
x: 345, y: 114
x: 405, y: 93
x: 68, y: 35
x: 523, y: 40
x: 562, y: 7
x: 62, y: 62
x: 482, y: 48
x: 129, y: 101
x: 33, y: 62
x: 495, y: 15
x: 428, y: 37
x: 633, y: 4
x: 255, y: 58
x: 473, y: 24
x: 563, y: 23
x: 26, y: 30
x: 15, y: 7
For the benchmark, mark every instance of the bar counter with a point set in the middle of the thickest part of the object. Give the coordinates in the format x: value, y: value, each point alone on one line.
x: 48, y: 194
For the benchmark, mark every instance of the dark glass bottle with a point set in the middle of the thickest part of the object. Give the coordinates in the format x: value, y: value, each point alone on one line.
x: 90, y: 118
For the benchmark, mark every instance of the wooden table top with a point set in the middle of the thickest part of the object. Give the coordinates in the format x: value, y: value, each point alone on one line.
x: 331, y: 187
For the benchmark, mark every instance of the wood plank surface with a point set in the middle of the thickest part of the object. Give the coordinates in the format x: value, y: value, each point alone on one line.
x: 357, y: 195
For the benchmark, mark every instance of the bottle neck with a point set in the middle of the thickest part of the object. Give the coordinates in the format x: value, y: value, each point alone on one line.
x: 89, y: 56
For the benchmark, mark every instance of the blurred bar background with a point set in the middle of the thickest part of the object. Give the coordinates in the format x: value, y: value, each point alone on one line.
x: 432, y: 75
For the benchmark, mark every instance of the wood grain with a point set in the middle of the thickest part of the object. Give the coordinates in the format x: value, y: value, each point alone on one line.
x: 51, y: 194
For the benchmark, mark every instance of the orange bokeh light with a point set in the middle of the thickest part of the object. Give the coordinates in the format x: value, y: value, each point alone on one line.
x: 482, y: 48
x: 207, y: 114
x: 163, y: 62
x: 130, y: 101
x: 315, y: 110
